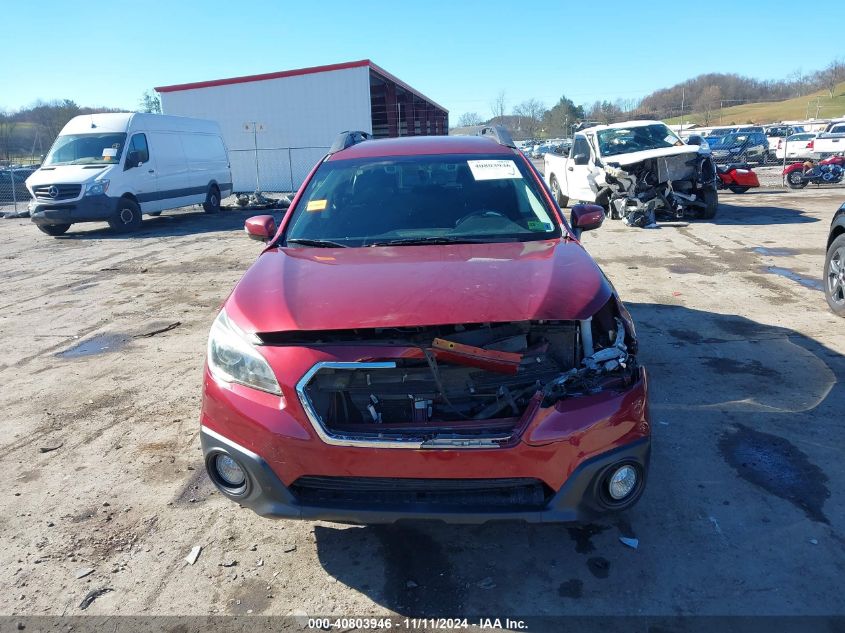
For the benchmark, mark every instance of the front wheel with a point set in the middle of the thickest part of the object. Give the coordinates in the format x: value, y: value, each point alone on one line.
x: 795, y: 180
x: 834, y: 276
x: 738, y: 189
x: 127, y: 218
x: 53, y: 229
x: 711, y: 203
x: 212, y: 200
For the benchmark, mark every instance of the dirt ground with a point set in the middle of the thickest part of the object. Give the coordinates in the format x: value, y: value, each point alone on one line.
x: 743, y: 512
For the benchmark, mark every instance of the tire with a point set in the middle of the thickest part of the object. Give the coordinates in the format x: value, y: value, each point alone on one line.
x: 834, y: 276
x: 53, y: 229
x: 794, y: 180
x: 127, y: 218
x: 155, y: 214
x: 711, y: 203
x: 561, y: 199
x: 738, y: 189
x: 212, y: 200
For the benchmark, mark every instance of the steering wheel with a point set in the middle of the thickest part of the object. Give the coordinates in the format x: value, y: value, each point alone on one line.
x: 484, y: 213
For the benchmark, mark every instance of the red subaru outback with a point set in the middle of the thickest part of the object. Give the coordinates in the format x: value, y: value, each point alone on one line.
x: 424, y: 336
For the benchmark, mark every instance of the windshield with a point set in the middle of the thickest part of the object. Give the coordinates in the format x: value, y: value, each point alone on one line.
x: 623, y: 140
x: 442, y: 198
x: 731, y: 140
x: 720, y: 131
x: 86, y: 149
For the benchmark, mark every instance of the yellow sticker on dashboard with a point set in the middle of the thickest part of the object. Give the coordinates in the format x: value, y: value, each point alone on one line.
x: 316, y: 205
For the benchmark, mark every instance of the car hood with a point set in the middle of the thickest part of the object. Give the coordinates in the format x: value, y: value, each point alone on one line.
x: 290, y: 289
x: 68, y: 174
x: 662, y: 152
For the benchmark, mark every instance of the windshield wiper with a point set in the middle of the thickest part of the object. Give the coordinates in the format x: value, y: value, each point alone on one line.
x: 316, y: 243
x: 440, y: 239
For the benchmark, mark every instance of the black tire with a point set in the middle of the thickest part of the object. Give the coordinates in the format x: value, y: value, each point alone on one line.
x: 561, y: 199
x: 711, y: 203
x: 795, y: 180
x: 212, y: 200
x: 834, y: 276
x: 53, y: 229
x: 738, y: 189
x: 127, y: 218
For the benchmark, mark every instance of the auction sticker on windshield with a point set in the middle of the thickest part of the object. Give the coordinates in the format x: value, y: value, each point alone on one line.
x: 493, y: 169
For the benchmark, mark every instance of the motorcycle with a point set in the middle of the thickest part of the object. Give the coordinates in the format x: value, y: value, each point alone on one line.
x: 826, y: 172
x: 738, y: 178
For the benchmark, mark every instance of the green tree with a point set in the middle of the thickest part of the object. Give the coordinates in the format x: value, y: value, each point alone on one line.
x: 150, y: 102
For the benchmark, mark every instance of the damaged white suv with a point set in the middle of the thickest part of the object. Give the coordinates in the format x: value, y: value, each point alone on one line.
x: 638, y: 171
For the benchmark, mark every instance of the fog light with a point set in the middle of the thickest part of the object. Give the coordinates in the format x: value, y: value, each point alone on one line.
x: 229, y: 471
x: 622, y: 482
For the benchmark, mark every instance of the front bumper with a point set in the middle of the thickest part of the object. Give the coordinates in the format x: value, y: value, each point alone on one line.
x: 575, y: 502
x: 85, y: 209
x: 569, y: 447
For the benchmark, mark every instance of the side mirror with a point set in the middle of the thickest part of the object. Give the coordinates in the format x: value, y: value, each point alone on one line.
x: 260, y: 227
x: 580, y: 159
x: 586, y: 217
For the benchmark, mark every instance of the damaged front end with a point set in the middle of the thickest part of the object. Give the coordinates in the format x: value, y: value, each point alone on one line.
x: 473, y: 385
x: 666, y: 187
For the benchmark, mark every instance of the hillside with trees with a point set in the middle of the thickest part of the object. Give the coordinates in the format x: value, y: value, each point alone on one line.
x: 703, y: 99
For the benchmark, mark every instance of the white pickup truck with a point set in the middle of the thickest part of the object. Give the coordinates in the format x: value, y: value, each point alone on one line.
x: 637, y: 170
x: 832, y: 140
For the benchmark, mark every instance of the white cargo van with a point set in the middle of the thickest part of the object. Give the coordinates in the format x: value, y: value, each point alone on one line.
x: 118, y: 166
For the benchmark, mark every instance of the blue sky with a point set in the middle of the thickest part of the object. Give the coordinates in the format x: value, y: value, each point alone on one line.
x: 459, y: 53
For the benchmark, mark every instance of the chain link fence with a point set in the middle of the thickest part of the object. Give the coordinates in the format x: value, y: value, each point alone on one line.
x: 14, y: 196
x: 272, y: 172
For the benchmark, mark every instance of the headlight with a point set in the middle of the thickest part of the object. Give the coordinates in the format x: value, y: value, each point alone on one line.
x: 97, y: 188
x: 233, y: 358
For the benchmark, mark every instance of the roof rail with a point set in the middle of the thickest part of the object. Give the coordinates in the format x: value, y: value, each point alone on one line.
x: 348, y: 139
x: 499, y: 133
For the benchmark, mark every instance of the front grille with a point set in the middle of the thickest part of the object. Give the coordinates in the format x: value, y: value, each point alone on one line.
x: 62, y: 192
x: 374, y: 492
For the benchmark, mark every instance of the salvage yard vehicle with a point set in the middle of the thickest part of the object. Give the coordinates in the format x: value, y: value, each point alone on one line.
x: 636, y: 170
x: 737, y: 178
x: 741, y: 147
x: 832, y: 140
x: 776, y: 134
x: 424, y: 336
x: 799, y: 146
x: 115, y: 167
x: 834, y: 264
x: 829, y: 171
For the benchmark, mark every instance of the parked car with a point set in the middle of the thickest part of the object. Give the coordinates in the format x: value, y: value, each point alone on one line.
x: 714, y: 135
x: 777, y: 133
x: 832, y: 140
x: 740, y: 147
x: 834, y: 264
x: 385, y: 357
x: 796, y: 147
x: 118, y: 166
x: 700, y: 141
x: 637, y: 170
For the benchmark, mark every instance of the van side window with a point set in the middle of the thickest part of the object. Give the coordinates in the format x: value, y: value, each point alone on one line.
x: 139, y: 144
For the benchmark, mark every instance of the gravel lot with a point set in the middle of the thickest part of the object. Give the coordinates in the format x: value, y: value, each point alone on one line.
x: 743, y: 513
